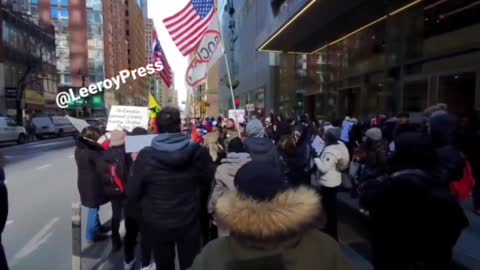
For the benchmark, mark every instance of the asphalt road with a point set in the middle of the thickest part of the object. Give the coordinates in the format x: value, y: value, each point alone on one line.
x: 41, y: 180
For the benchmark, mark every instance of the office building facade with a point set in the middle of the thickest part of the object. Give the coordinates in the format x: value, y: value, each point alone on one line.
x: 361, y: 58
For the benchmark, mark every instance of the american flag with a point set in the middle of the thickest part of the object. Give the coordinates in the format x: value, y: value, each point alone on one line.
x: 188, y: 25
x: 159, y: 56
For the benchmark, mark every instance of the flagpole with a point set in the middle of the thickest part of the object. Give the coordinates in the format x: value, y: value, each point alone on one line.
x: 231, y: 90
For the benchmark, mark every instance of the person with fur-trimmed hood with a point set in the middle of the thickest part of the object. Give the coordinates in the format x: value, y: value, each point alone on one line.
x: 271, y: 226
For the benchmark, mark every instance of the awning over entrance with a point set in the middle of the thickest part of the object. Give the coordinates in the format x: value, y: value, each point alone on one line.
x: 322, y: 22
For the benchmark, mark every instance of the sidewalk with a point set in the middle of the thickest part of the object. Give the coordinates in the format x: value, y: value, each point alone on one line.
x: 98, y: 256
x: 466, y: 251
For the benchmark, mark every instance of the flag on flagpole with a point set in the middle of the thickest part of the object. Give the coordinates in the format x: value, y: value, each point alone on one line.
x: 209, y: 50
x: 159, y: 56
x: 188, y: 25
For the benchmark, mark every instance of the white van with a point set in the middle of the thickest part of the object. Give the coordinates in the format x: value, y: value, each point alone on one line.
x: 52, y: 126
x: 11, y: 132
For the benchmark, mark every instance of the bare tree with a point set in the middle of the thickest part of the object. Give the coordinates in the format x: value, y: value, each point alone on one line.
x: 38, y: 50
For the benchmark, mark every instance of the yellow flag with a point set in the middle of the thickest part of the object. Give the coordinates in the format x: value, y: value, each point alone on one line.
x: 152, y: 105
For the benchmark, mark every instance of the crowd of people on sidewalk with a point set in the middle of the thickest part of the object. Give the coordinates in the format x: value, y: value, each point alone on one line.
x: 262, y: 193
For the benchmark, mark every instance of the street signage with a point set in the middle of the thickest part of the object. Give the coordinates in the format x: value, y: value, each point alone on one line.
x: 127, y: 117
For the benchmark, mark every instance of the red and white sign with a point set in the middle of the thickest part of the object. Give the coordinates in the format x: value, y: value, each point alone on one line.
x: 207, y: 54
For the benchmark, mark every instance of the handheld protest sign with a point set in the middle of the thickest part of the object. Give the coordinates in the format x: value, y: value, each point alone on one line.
x: 136, y: 143
x: 127, y: 117
x: 78, y: 124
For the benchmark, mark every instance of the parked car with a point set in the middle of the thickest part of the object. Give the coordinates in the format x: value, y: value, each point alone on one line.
x: 11, y: 132
x: 52, y: 126
x: 97, y: 122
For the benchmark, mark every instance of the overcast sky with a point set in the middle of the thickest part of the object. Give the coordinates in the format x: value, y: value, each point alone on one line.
x: 158, y: 10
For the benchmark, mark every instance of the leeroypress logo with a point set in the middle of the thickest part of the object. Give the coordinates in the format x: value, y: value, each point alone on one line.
x: 64, y: 98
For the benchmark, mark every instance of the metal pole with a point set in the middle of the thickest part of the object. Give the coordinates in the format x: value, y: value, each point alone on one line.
x: 76, y: 236
x: 231, y: 92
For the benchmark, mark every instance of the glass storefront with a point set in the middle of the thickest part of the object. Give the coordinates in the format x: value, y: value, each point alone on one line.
x: 390, y: 66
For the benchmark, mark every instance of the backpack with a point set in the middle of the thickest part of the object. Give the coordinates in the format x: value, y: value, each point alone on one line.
x: 463, y: 188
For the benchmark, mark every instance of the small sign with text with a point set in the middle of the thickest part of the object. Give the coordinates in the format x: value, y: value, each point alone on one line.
x: 127, y: 117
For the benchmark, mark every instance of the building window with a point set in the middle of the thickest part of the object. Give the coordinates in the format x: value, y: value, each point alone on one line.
x: 54, y: 13
x: 66, y: 78
x: 64, y: 14
x: 34, y: 2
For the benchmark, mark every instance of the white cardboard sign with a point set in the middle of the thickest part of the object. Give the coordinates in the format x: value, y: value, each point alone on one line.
x: 78, y: 124
x: 134, y: 144
x: 237, y: 115
x: 127, y: 117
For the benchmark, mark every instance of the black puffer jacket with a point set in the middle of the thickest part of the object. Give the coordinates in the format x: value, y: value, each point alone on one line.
x: 450, y: 161
x: 92, y: 173
x: 116, y: 156
x: 172, y: 178
x: 262, y: 149
x: 410, y: 223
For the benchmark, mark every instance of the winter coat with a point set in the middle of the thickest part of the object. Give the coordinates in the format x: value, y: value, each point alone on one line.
x: 116, y: 155
x: 376, y: 158
x: 283, y: 128
x: 212, y: 144
x: 409, y: 223
x: 275, y: 234
x: 450, y: 161
x: 228, y: 135
x: 261, y: 149
x: 172, y: 180
x: 334, y: 159
x: 225, y: 175
x: 92, y: 173
x: 3, y: 215
x: 3, y: 202
x: 270, y: 133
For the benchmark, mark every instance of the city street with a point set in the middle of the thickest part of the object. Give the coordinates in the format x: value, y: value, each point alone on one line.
x: 41, y: 182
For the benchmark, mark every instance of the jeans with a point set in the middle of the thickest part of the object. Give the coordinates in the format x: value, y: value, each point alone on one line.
x: 187, y: 239
x: 132, y: 229
x: 93, y: 223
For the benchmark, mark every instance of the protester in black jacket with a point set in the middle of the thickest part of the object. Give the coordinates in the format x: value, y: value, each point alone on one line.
x: 92, y: 172
x: 411, y: 224
x: 260, y: 147
x: 3, y: 213
x: 118, y: 162
x: 450, y: 163
x: 172, y: 178
x: 133, y: 222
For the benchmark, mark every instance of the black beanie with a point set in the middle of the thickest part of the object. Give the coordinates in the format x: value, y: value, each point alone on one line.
x: 260, y: 180
x: 138, y: 131
x: 236, y: 146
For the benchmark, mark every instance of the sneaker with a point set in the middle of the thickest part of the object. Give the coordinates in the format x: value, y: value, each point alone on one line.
x: 129, y: 266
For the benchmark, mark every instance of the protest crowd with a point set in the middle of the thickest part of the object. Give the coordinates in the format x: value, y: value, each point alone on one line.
x: 261, y: 192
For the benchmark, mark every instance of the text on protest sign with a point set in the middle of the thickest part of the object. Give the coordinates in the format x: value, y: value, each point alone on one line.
x: 127, y: 117
x: 237, y: 115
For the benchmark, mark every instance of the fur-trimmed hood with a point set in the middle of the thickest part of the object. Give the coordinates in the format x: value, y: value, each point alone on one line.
x: 287, y: 214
